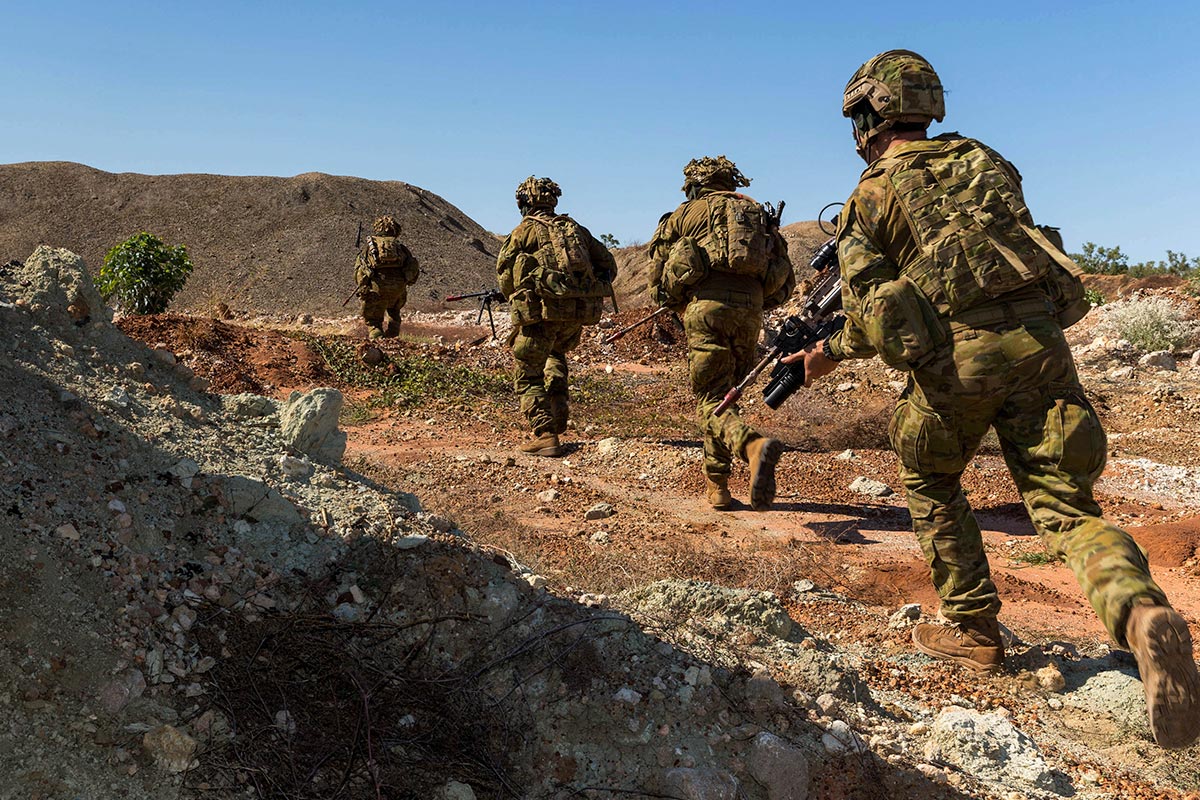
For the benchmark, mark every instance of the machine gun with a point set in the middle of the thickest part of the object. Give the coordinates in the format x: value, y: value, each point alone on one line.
x: 486, y: 298
x: 818, y: 319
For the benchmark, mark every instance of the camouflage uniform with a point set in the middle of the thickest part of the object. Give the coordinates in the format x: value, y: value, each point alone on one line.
x: 540, y: 340
x: 384, y: 270
x: 722, y: 319
x: 1004, y: 363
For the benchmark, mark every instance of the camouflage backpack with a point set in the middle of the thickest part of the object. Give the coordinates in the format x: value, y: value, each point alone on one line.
x: 565, y: 279
x: 739, y: 237
x: 390, y: 253
x: 978, y: 241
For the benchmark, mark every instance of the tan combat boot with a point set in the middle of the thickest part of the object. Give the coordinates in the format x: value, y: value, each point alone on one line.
x: 1162, y: 645
x: 972, y: 642
x: 716, y: 490
x: 543, y: 445
x: 763, y: 454
x: 374, y: 332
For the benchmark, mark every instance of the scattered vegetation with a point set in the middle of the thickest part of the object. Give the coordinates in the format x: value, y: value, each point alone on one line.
x: 1036, y: 558
x: 609, y: 241
x: 1100, y: 260
x: 410, y: 380
x: 143, y: 273
x: 1094, y: 297
x: 1149, y: 323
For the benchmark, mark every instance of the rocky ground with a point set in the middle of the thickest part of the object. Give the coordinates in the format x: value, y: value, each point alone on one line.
x: 214, y: 589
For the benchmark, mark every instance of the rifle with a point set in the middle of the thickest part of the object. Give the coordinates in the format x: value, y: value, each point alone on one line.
x: 371, y: 274
x: 612, y: 337
x: 817, y: 320
x: 486, y: 298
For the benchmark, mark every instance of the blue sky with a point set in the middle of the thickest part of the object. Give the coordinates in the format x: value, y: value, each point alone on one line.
x: 1096, y: 103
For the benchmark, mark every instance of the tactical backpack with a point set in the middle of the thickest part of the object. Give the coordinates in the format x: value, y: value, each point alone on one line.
x: 977, y: 238
x: 565, y: 279
x: 739, y: 235
x: 390, y: 253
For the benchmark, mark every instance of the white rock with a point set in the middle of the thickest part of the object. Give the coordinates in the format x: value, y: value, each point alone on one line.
x: 989, y: 747
x: 627, y: 695
x: 117, y: 397
x: 454, y: 790
x: 548, y: 496
x: 184, y: 468
x: 308, y: 424
x: 608, y: 446
x: 1159, y: 359
x: 600, y: 537
x: 68, y: 532
x: 847, y: 387
x: 846, y: 455
x: 1195, y: 359
x: 910, y: 612
x: 295, y: 467
x: 839, y: 739
x: 871, y: 488
x: 1119, y: 373
x: 781, y: 768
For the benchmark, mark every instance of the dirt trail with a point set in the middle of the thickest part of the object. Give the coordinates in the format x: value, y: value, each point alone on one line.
x: 841, y: 562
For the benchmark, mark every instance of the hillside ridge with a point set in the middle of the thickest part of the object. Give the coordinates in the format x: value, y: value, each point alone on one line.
x: 260, y: 243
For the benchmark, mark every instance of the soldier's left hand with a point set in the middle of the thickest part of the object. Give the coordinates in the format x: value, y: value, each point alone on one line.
x: 816, y: 365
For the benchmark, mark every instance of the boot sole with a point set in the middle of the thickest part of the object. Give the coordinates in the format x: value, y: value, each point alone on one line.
x: 762, y: 490
x: 547, y: 452
x: 1169, y: 677
x: 969, y: 663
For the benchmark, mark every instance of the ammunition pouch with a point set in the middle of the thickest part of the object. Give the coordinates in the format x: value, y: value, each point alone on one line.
x: 902, y: 324
x: 686, y: 266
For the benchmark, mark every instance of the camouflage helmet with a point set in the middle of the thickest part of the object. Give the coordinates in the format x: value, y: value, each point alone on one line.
x: 534, y: 192
x: 709, y: 171
x: 386, y: 226
x: 898, y: 86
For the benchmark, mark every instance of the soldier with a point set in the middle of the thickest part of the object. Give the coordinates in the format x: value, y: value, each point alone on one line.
x: 719, y: 260
x: 946, y: 276
x: 555, y: 276
x: 383, y: 271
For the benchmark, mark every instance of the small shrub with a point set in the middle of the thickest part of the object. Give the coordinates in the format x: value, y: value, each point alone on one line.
x: 143, y: 274
x: 1094, y: 297
x: 1149, y: 323
x: 1036, y: 558
x: 609, y: 241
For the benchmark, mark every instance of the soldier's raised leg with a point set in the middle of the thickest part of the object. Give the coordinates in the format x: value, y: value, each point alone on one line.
x: 1055, y: 448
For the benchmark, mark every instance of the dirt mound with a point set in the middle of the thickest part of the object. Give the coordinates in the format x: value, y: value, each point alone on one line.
x: 233, y: 358
x: 1113, y: 286
x: 262, y: 244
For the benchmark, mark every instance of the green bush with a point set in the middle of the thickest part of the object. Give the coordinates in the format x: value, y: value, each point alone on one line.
x: 143, y: 274
x: 1094, y: 297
